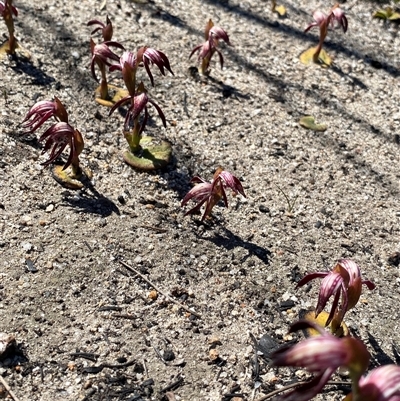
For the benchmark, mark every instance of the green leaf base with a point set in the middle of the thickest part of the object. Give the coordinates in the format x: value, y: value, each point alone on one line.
x: 115, y: 94
x: 150, y: 157
x: 324, y: 60
x: 309, y: 123
x: 69, y: 180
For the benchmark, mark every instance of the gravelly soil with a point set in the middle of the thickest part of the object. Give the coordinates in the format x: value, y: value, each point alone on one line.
x: 312, y: 198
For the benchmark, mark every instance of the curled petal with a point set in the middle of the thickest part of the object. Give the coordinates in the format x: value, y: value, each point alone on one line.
x: 339, y: 18
x: 219, y: 34
x: 42, y: 111
x: 306, y: 279
x: 382, y: 384
x: 159, y: 111
x: 151, y: 56
x: 106, y: 29
x: 310, y: 389
x: 57, y: 137
x: 319, y: 19
x: 198, y: 193
x: 330, y: 285
x: 120, y: 103
x: 232, y: 182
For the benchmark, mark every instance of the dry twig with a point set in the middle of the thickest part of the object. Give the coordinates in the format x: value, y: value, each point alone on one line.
x: 289, y: 386
x: 8, y: 388
x: 134, y: 271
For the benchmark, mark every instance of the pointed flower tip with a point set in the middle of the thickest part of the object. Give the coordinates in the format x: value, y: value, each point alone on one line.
x: 210, y: 193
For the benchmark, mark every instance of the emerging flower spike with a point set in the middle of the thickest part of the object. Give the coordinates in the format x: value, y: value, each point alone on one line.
x: 145, y: 57
x: 57, y: 137
x: 102, y: 54
x: 41, y: 112
x: 335, y: 18
x: 321, y: 355
x: 213, y: 34
x: 210, y: 193
x: 343, y: 281
x: 106, y: 29
x: 138, y: 104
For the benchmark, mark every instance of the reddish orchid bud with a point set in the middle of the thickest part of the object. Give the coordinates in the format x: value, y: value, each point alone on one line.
x: 102, y: 54
x: 213, y: 35
x: 382, y: 384
x: 5, y: 6
x: 344, y: 281
x: 106, y: 29
x: 42, y: 111
x: 321, y: 355
x: 210, y: 193
x: 57, y: 137
x: 139, y: 103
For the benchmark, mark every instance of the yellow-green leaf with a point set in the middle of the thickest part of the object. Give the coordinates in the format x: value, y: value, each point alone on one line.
x: 342, y: 331
x: 281, y: 10
x: 309, y: 123
x: 308, y: 57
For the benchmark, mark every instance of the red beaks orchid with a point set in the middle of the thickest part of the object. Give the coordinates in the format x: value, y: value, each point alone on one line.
x: 382, y: 384
x: 335, y: 18
x: 321, y: 355
x: 5, y: 5
x: 145, y: 57
x: 210, y: 193
x: 138, y: 105
x: 106, y: 29
x: 344, y: 282
x: 42, y: 111
x: 57, y: 137
x: 102, y: 54
x: 213, y: 35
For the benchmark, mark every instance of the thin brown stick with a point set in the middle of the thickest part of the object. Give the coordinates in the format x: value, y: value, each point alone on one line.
x: 8, y: 388
x: 289, y: 386
x: 132, y: 270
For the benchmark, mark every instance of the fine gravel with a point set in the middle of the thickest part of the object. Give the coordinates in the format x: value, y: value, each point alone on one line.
x: 86, y: 326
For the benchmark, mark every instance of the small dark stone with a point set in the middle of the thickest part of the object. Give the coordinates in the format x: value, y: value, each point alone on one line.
x: 98, y: 116
x: 285, y: 305
x: 169, y: 355
x: 122, y: 359
x: 318, y: 224
x: 394, y: 259
x: 121, y: 200
x: 263, y: 209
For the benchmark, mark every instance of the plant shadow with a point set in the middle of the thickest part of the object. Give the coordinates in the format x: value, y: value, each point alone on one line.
x: 89, y: 200
x: 380, y: 357
x: 228, y: 240
x: 26, y: 67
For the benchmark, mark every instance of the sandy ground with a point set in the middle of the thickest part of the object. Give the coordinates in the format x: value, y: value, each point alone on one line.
x: 88, y: 328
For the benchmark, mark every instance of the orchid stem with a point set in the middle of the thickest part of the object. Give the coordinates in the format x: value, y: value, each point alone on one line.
x: 133, y: 137
x: 103, y: 85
